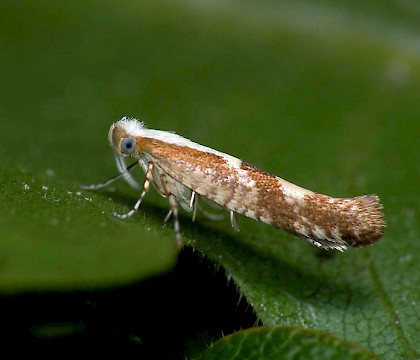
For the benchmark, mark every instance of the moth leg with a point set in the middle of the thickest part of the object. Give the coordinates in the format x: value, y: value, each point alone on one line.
x: 234, y: 220
x: 109, y: 181
x: 173, y: 211
x: 210, y: 215
x: 146, y: 186
x: 196, y: 207
x: 168, y: 216
x: 194, y: 204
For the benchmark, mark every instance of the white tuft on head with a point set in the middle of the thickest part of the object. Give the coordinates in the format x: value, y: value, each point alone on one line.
x: 131, y: 125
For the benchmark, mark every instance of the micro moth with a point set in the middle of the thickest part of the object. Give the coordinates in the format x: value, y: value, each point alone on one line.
x: 184, y: 172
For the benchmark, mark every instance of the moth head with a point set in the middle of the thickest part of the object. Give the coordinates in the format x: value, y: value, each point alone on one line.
x: 122, y: 143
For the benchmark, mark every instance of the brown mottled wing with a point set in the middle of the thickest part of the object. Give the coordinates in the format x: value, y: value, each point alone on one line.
x: 245, y: 189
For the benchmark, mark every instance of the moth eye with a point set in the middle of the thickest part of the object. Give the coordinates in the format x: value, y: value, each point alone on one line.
x: 128, y: 145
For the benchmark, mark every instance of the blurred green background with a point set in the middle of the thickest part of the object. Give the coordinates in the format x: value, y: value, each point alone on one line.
x: 325, y: 94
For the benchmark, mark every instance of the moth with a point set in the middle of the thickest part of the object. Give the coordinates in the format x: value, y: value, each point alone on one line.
x: 185, y: 172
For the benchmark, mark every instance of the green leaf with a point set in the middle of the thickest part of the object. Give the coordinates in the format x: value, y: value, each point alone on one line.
x: 325, y: 95
x: 283, y: 343
x: 57, y: 237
